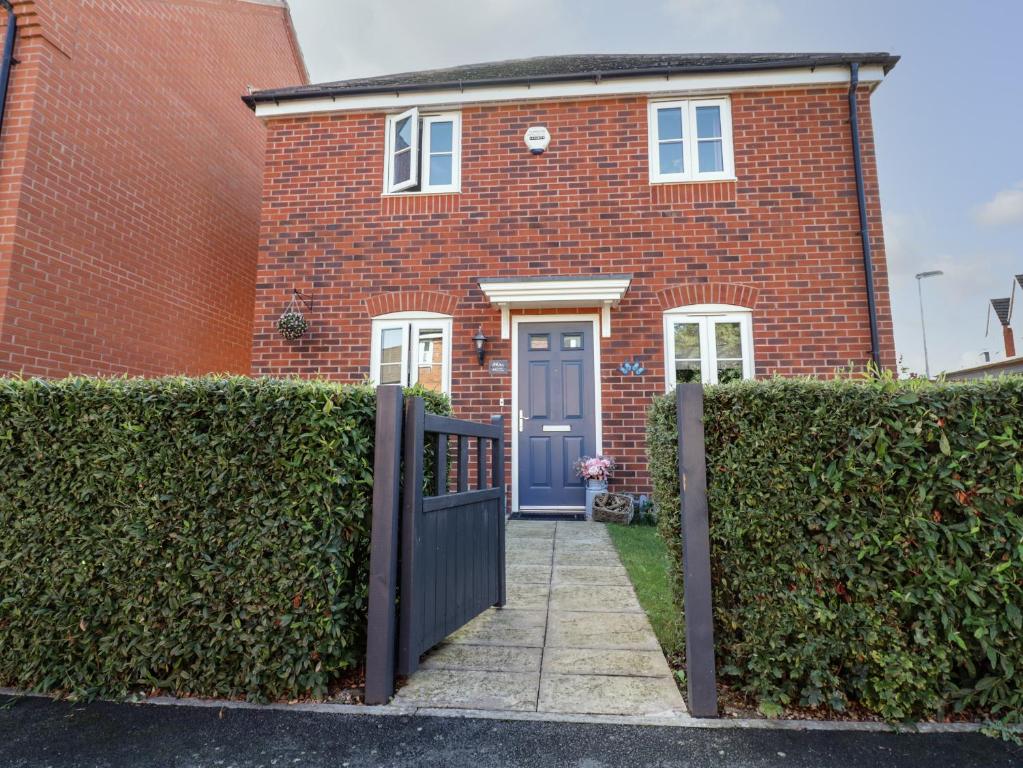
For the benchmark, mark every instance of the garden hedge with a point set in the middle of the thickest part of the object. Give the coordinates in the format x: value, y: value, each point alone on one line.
x: 203, y: 536
x: 867, y: 541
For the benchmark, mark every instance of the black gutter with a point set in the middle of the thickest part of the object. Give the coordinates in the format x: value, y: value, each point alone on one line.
x: 8, y: 57
x: 287, y: 94
x: 861, y: 198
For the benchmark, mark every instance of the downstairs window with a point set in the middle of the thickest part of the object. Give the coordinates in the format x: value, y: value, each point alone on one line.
x: 708, y: 343
x: 412, y: 348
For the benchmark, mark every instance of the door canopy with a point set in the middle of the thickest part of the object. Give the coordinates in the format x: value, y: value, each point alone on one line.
x: 604, y: 291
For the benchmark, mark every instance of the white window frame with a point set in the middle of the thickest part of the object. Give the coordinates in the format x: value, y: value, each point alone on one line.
x: 456, y: 153
x: 420, y: 179
x: 391, y: 124
x: 410, y: 324
x: 706, y: 316
x: 690, y: 141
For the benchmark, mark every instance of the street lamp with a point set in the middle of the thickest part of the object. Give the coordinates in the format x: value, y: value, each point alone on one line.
x: 920, y: 277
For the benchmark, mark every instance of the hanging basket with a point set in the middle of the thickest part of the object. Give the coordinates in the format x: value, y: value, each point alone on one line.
x: 291, y: 325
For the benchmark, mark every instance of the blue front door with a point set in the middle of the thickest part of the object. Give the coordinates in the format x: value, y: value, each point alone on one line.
x: 557, y: 413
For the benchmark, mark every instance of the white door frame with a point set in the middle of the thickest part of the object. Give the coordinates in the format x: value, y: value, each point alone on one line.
x: 518, y: 320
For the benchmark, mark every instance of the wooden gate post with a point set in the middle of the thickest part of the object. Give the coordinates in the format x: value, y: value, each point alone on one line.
x: 497, y: 472
x: 411, y: 509
x: 692, y: 471
x: 381, y: 634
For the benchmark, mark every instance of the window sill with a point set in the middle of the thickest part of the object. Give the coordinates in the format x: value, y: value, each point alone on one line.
x: 721, y: 180
x: 422, y: 193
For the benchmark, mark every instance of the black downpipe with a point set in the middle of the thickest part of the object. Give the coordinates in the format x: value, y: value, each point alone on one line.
x: 861, y: 197
x: 8, y: 59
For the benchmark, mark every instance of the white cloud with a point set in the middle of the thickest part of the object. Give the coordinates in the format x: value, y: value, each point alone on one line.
x: 1006, y: 207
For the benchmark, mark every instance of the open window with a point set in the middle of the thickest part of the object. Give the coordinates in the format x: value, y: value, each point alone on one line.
x: 691, y: 140
x: 423, y: 152
x: 708, y: 343
x: 412, y: 348
x: 403, y: 150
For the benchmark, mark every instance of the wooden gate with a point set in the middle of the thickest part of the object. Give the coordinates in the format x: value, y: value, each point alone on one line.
x: 449, y: 544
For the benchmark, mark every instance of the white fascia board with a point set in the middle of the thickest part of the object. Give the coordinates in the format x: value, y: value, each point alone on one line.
x: 682, y: 84
x: 551, y: 293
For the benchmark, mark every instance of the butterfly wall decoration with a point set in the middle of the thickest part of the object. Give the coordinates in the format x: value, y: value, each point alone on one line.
x: 635, y: 367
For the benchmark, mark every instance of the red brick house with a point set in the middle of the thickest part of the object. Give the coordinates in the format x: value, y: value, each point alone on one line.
x: 693, y: 217
x: 130, y: 181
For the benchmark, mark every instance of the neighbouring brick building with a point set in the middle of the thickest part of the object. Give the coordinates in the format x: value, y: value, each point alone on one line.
x: 693, y: 218
x: 130, y: 178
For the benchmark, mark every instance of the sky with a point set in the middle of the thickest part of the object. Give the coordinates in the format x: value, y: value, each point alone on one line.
x: 948, y: 120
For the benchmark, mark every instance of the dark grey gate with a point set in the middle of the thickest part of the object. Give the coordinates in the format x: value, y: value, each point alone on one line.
x: 451, y: 547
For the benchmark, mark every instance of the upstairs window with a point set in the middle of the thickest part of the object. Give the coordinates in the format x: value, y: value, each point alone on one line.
x: 410, y: 348
x: 691, y: 140
x: 712, y: 344
x: 423, y: 152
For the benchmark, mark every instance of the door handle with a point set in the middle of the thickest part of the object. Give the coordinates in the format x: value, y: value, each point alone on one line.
x: 522, y: 420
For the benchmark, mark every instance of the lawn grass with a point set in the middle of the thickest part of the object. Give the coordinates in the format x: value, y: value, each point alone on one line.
x: 646, y: 559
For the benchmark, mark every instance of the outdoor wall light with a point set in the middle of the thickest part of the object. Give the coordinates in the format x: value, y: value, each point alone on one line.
x: 481, y: 344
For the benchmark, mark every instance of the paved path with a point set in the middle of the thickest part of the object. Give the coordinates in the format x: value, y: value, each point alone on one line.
x: 36, y: 732
x: 572, y: 639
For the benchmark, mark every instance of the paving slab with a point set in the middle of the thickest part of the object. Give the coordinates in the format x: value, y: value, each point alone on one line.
x: 469, y: 689
x: 585, y: 545
x: 626, y: 631
x: 604, y: 661
x: 483, y: 658
x: 588, y: 597
x: 528, y: 574
x: 572, y: 640
x: 588, y: 548
x: 581, y: 532
x: 538, y: 530
x: 584, y: 574
x: 609, y: 695
x: 510, y: 618
x: 517, y: 637
x: 528, y: 596
x: 529, y: 556
x: 513, y: 542
x: 581, y: 557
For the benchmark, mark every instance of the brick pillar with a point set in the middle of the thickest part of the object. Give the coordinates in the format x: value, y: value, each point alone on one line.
x: 1010, y: 343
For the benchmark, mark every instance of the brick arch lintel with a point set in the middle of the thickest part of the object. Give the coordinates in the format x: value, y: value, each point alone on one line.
x: 411, y: 301
x: 737, y: 294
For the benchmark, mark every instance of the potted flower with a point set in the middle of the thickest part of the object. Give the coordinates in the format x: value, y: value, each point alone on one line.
x: 596, y: 471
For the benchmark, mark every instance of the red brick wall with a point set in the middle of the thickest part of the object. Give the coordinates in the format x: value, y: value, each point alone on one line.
x: 783, y: 240
x: 130, y: 184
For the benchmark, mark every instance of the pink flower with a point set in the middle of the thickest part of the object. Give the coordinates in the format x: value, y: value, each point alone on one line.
x: 594, y: 467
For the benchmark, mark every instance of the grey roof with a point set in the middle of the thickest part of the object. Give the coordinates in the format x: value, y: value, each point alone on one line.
x: 1019, y: 279
x: 565, y: 68
x: 1001, y: 308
